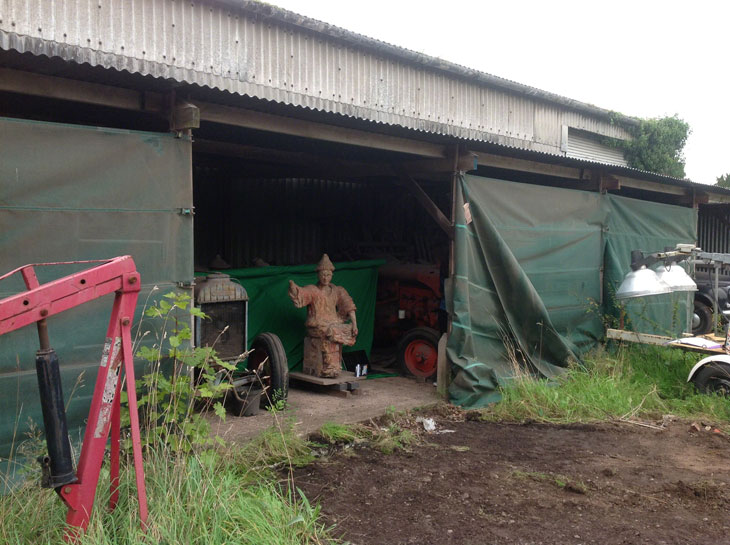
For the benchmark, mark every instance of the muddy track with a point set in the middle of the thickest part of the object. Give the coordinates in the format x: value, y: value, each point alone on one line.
x: 489, y: 483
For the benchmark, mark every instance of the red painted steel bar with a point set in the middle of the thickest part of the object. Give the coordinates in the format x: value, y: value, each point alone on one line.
x: 119, y: 276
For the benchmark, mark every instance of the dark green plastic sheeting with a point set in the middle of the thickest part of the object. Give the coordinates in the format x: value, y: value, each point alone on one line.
x: 530, y: 293
x: 270, y: 308
x: 71, y: 193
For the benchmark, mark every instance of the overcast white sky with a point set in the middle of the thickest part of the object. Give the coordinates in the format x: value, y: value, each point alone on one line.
x: 644, y: 58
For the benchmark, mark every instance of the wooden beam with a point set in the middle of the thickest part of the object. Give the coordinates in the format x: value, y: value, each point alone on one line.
x: 651, y: 186
x: 464, y: 163
x: 715, y: 198
x: 28, y: 83
x: 423, y: 198
x: 227, y: 115
x: 17, y: 81
x: 523, y: 165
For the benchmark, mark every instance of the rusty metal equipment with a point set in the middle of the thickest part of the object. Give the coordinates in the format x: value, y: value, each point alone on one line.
x: 408, y: 313
x: 41, y: 301
x: 263, y: 374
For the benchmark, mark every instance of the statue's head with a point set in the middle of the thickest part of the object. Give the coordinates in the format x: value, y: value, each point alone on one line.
x: 325, y: 268
x: 325, y: 277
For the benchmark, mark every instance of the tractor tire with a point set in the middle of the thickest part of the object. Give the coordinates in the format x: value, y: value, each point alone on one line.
x: 418, y: 352
x: 713, y: 378
x: 268, y: 359
x: 701, y: 319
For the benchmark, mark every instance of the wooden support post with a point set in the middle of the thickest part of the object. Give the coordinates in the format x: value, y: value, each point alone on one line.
x: 442, y: 370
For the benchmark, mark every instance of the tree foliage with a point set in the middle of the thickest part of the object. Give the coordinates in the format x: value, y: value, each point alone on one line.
x: 723, y: 181
x: 658, y: 146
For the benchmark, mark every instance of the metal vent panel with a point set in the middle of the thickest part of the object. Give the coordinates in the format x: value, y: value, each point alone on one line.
x: 582, y: 146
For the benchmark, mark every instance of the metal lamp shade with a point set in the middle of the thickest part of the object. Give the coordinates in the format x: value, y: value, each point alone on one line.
x: 641, y: 283
x: 676, y: 278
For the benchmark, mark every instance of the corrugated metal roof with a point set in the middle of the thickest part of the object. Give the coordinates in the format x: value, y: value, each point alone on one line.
x: 254, y: 49
x: 629, y: 172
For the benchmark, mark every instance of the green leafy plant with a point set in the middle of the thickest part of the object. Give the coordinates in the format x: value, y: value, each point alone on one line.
x: 657, y: 146
x: 181, y: 379
x: 723, y: 181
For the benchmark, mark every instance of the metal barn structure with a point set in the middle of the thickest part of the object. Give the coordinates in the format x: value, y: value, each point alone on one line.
x: 177, y: 131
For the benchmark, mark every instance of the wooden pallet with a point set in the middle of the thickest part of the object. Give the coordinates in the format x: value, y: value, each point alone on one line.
x: 345, y: 385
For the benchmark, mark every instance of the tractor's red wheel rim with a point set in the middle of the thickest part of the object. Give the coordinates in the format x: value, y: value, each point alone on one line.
x: 420, y: 358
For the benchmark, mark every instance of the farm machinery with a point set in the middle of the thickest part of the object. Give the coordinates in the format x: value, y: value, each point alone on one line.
x: 712, y: 373
x: 409, y: 314
x: 265, y: 370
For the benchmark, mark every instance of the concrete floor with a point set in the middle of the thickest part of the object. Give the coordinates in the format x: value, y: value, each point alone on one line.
x: 310, y: 410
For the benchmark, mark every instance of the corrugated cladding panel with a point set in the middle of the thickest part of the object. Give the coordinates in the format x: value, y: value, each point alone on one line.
x: 581, y: 146
x: 209, y: 45
x: 713, y: 233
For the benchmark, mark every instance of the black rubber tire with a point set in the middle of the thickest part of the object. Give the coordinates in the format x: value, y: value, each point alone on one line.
x: 430, y: 341
x: 713, y: 378
x: 704, y: 313
x: 269, y: 357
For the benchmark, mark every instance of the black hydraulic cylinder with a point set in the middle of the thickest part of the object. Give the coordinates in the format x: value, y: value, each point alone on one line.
x: 60, y: 460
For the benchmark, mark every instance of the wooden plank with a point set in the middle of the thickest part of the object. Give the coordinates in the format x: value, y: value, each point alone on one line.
x: 442, y: 369
x: 345, y: 377
x: 660, y: 340
x: 635, y: 337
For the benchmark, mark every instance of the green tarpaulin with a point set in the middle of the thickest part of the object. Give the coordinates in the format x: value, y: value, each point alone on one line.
x: 529, y: 291
x: 270, y: 308
x: 69, y: 193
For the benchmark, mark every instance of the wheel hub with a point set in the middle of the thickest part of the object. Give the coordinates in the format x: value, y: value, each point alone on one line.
x: 421, y: 357
x: 721, y: 386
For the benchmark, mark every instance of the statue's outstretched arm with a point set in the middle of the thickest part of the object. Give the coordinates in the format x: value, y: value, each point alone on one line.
x: 301, y: 296
x: 294, y: 294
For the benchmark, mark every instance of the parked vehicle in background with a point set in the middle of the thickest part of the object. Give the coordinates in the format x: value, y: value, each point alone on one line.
x: 410, y: 314
x: 702, y: 319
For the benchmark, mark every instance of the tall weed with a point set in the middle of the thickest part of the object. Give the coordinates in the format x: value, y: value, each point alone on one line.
x: 625, y: 382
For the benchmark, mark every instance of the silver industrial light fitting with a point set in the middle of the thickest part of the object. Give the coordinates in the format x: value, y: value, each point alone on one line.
x: 640, y: 283
x: 675, y: 277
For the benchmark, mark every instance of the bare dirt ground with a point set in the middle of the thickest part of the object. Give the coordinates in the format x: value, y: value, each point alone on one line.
x: 489, y: 483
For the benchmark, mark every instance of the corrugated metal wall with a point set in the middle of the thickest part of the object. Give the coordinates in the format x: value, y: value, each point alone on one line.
x: 210, y: 45
x: 294, y: 221
x: 713, y: 232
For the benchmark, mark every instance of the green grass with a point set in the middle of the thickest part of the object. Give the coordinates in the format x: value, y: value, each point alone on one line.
x: 276, y: 446
x: 334, y: 433
x: 627, y: 383
x: 220, y: 497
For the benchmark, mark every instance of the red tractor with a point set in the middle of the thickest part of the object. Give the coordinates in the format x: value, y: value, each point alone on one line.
x: 409, y: 313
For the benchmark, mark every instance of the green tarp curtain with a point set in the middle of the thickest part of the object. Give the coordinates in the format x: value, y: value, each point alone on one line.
x: 270, y: 308
x: 69, y: 193
x: 529, y: 292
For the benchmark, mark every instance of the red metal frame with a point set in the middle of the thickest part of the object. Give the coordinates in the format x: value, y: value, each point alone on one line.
x: 119, y: 276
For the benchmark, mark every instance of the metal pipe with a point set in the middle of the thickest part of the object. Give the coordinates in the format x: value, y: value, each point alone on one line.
x: 58, y: 465
x: 43, y: 339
